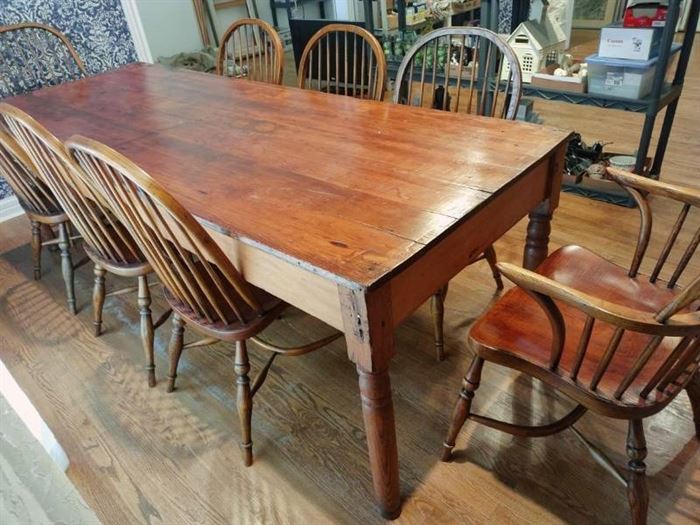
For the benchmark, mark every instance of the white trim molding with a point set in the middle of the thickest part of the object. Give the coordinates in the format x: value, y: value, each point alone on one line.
x: 10, y: 208
x: 138, y: 35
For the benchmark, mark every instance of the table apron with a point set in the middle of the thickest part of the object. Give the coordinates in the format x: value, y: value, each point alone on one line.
x: 420, y: 280
x: 313, y: 293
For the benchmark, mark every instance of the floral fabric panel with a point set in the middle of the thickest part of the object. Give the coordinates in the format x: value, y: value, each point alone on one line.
x: 31, y: 59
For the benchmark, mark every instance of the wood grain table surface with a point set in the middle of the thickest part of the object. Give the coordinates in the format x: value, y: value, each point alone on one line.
x: 354, y: 211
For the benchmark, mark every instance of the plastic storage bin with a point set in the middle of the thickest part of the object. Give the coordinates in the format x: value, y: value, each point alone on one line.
x: 616, y: 77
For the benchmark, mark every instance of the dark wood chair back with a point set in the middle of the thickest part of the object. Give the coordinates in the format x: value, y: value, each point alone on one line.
x: 346, y: 60
x: 34, y: 55
x: 186, y: 259
x: 467, y: 69
x: 86, y: 208
x: 18, y: 170
x: 688, y: 199
x: 251, y: 48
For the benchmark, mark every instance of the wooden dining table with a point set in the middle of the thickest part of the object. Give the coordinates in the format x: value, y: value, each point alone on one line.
x: 354, y: 211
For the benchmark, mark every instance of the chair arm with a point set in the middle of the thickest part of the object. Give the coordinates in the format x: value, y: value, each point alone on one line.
x: 672, y: 191
x: 621, y: 316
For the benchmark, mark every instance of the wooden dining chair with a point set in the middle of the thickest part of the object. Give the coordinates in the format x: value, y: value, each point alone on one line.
x: 615, y: 342
x: 41, y: 206
x: 205, y: 290
x: 105, y: 240
x: 468, y: 81
x: 251, y: 48
x: 34, y: 55
x: 345, y: 60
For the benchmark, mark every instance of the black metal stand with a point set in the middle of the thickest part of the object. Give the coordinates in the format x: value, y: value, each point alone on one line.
x: 662, y: 93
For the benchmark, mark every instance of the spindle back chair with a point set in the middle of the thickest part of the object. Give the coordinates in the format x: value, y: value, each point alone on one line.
x: 34, y: 55
x: 251, y: 48
x: 470, y: 89
x: 35, y: 198
x: 688, y: 199
x: 611, y: 340
x: 202, y: 285
x: 469, y: 77
x: 344, y: 59
x: 105, y: 240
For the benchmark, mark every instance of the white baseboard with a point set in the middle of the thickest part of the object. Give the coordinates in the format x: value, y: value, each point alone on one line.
x: 10, y: 208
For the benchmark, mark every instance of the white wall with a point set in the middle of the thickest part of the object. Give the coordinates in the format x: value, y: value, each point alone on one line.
x: 170, y: 26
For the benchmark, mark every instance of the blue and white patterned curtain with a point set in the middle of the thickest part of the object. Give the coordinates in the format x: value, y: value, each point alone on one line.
x: 96, y: 28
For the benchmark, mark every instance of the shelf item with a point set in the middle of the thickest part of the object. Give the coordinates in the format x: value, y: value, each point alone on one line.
x: 536, y: 43
x: 618, y: 77
x: 604, y: 190
x: 630, y: 43
x: 546, y: 79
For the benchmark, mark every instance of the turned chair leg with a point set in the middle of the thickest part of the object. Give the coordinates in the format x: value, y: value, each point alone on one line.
x: 98, y: 298
x: 175, y: 349
x: 463, y: 407
x: 693, y: 390
x: 36, y: 249
x: 490, y: 256
x: 67, y: 265
x: 244, y: 401
x: 144, y: 303
x: 637, y: 490
x: 438, y: 309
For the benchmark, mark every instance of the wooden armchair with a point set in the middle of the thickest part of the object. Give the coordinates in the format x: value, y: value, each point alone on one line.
x: 105, y: 240
x: 483, y: 59
x: 344, y: 59
x: 251, y: 49
x: 41, y: 206
x: 616, y: 343
x: 34, y: 55
x: 205, y: 290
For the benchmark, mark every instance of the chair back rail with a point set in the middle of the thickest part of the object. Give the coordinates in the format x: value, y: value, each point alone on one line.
x: 346, y: 60
x: 85, y: 207
x: 33, y: 55
x: 677, y: 367
x: 479, y: 73
x: 182, y: 254
x: 251, y: 48
x: 21, y: 174
x: 639, y: 188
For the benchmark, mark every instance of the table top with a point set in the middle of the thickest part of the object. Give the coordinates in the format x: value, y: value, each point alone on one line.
x: 352, y: 189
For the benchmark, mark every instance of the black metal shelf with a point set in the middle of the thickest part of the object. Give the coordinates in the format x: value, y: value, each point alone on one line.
x: 668, y: 95
x: 663, y: 95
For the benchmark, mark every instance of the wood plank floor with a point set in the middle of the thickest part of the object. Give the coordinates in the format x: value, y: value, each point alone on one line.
x: 141, y: 456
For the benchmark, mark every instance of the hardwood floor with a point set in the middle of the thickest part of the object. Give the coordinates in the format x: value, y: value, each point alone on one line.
x: 141, y: 456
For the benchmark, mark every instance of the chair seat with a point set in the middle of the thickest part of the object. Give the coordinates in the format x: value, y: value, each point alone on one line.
x: 132, y: 266
x: 252, y: 323
x: 517, y: 333
x: 57, y: 218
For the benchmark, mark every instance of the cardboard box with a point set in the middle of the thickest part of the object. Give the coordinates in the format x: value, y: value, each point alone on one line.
x: 545, y: 79
x: 630, y: 43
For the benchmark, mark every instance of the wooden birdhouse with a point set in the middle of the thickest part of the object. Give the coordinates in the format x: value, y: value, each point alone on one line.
x: 536, y: 43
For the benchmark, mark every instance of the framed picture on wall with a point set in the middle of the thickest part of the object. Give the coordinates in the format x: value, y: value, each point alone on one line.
x: 593, y: 14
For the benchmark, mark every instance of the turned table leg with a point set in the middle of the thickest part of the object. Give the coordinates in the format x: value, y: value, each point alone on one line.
x: 537, y: 242
x: 369, y: 333
x: 378, y: 414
